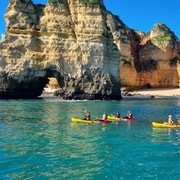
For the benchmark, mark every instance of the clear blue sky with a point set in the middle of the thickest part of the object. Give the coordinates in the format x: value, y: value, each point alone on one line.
x: 136, y: 14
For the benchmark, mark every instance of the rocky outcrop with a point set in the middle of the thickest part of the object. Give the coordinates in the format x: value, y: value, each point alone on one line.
x: 86, y: 48
x: 69, y: 40
x: 154, y: 59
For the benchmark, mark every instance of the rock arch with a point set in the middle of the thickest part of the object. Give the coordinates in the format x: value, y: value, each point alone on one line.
x: 56, y: 40
x: 27, y: 84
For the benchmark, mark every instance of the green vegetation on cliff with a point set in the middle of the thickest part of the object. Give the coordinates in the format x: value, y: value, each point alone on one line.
x: 163, y: 38
x: 55, y: 1
x: 165, y: 34
x: 89, y: 2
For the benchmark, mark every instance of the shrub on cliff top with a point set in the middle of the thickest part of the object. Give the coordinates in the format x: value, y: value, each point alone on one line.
x: 163, y: 38
x: 89, y: 2
x: 55, y: 1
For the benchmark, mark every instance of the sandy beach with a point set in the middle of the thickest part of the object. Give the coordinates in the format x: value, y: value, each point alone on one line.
x: 168, y: 92
x: 157, y: 92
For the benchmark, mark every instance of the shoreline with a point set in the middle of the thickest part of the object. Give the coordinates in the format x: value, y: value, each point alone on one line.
x: 163, y: 92
x: 160, y: 92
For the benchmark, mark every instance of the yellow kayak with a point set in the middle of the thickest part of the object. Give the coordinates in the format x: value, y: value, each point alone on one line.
x: 78, y: 120
x: 114, y: 118
x: 162, y: 125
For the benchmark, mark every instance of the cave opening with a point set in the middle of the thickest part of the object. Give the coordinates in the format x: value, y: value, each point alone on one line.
x: 54, y: 81
x: 52, y: 85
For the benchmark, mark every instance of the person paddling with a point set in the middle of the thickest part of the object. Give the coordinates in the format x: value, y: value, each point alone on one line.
x: 129, y: 115
x: 104, y: 116
x: 170, y: 120
x: 118, y: 115
x: 87, y: 115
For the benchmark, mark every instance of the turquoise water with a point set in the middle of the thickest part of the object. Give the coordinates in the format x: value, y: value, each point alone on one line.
x: 38, y: 140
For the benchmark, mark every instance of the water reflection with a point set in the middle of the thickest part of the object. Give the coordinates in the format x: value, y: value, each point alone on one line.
x: 161, y: 135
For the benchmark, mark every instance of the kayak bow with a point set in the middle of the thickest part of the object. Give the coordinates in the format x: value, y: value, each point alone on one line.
x: 78, y: 120
x: 162, y: 125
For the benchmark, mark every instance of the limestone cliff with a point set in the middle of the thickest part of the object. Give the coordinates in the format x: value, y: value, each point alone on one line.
x: 69, y: 40
x: 86, y: 48
x: 154, y: 59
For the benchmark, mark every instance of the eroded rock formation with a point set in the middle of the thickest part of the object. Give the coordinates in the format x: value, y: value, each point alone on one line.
x: 153, y: 59
x: 69, y: 40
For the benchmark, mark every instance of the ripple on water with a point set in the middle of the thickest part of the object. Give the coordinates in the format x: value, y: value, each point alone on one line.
x: 38, y: 141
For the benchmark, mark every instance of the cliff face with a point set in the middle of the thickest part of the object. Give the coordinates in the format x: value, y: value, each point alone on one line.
x: 154, y: 59
x: 68, y: 40
x: 86, y: 48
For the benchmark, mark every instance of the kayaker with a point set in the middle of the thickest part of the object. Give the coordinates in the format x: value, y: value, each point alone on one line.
x: 118, y: 115
x: 104, y: 116
x: 87, y: 115
x: 170, y: 120
x: 129, y: 115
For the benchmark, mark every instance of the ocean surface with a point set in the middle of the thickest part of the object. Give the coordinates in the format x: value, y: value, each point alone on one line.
x: 38, y: 140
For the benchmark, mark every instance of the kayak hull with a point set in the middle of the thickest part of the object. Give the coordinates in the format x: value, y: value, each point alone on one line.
x: 103, y: 121
x: 114, y: 118
x: 162, y: 125
x: 78, y: 120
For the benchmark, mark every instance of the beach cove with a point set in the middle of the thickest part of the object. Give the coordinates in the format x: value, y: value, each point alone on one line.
x: 165, y: 92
